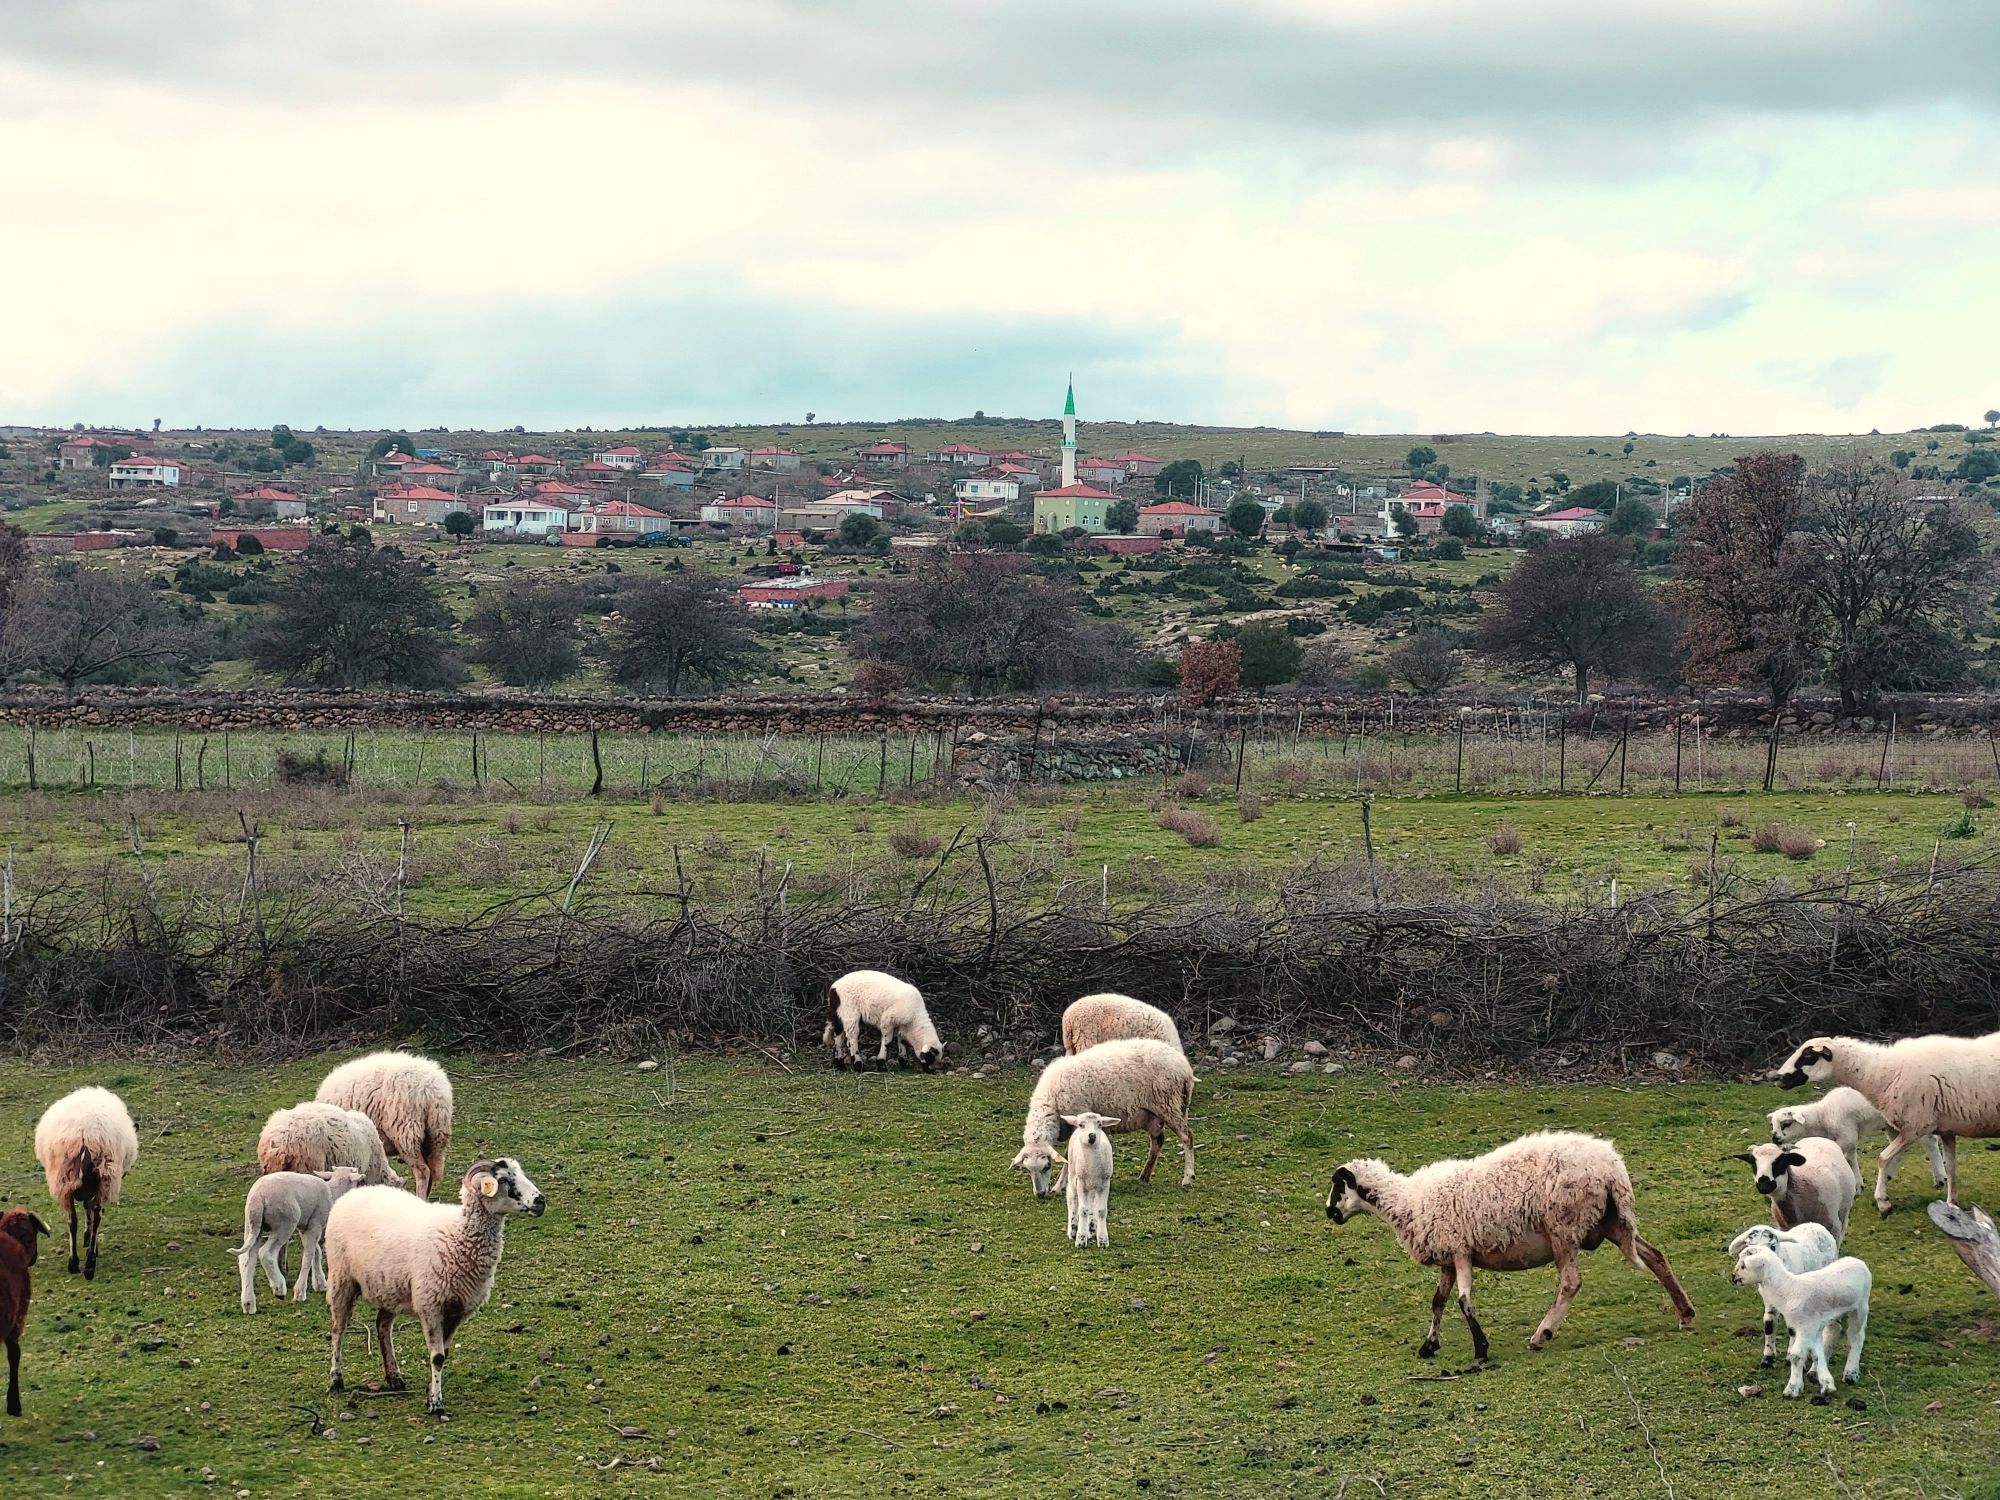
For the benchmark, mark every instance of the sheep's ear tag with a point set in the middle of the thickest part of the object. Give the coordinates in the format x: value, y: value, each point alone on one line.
x: 488, y: 1186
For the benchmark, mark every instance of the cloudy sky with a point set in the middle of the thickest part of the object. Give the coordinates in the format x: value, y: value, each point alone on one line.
x: 1754, y: 216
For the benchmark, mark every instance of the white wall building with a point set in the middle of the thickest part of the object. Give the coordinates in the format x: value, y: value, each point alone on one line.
x: 524, y: 517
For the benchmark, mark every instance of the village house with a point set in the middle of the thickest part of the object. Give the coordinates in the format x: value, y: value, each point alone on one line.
x: 80, y: 452
x: 886, y: 455
x: 1139, y: 465
x: 962, y: 454
x: 140, y: 472
x: 416, y: 505
x: 883, y: 503
x: 1578, y: 520
x: 674, y: 476
x: 825, y: 515
x: 524, y: 516
x: 745, y: 513
x: 723, y: 460
x: 1100, y: 470
x: 598, y: 472
x: 1026, y: 475
x: 986, y: 488
x: 624, y: 456
x: 779, y: 460
x: 792, y: 593
x: 391, y: 464
x: 1073, y: 507
x: 621, y: 518
x: 1176, y: 518
x: 282, y: 503
x: 423, y: 471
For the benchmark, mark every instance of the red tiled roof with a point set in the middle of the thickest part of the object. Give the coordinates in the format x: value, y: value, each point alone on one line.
x: 625, y: 508
x: 623, y: 450
x: 1175, y: 508
x: 536, y: 458
x: 416, y: 492
x: 142, y: 461
x: 772, y: 453
x: 746, y: 502
x: 426, y: 468
x: 1075, y: 492
x: 267, y: 492
x: 1574, y: 513
x: 886, y: 448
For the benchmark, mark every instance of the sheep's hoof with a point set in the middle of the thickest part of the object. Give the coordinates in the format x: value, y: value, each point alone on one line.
x: 1540, y: 1342
x: 394, y: 1383
x: 1427, y: 1349
x: 75, y: 1265
x: 335, y: 1385
x: 436, y: 1409
x: 1767, y: 1361
x: 1822, y: 1398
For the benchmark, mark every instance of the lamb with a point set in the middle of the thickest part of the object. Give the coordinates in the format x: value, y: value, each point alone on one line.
x: 405, y: 1255
x: 1087, y: 1178
x: 1946, y: 1086
x: 1105, y: 1018
x: 409, y: 1099
x: 1144, y: 1084
x: 1804, y: 1247
x: 279, y: 1205
x: 1811, y: 1302
x: 1807, y: 1183
x: 1843, y: 1115
x: 20, y: 1248
x: 894, y: 1007
x: 1537, y: 1199
x: 86, y: 1144
x: 315, y: 1137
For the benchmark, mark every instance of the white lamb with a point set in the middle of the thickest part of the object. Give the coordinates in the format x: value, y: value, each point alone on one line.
x: 1537, y: 1199
x: 1946, y: 1086
x: 1804, y: 1247
x: 409, y: 1099
x: 1843, y: 1115
x: 1811, y: 1302
x: 1143, y: 1084
x: 278, y: 1206
x: 315, y: 1137
x: 404, y: 1255
x: 1809, y: 1182
x: 1087, y: 1178
x: 86, y: 1143
x: 1107, y: 1018
x: 894, y: 1007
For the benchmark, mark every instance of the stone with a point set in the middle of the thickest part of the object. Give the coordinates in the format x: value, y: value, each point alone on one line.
x: 1271, y: 1049
x: 1406, y: 1062
x: 1331, y: 1068
x: 1299, y: 1067
x: 1666, y: 1061
x: 1223, y: 1027
x: 1315, y: 1049
x: 649, y: 1066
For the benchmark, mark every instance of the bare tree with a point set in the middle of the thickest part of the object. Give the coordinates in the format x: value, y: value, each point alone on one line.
x: 676, y: 629
x: 1429, y: 661
x: 72, y: 624
x: 349, y: 614
x: 526, y: 633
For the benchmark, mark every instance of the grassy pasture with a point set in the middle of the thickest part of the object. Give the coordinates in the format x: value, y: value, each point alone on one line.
x: 787, y: 1281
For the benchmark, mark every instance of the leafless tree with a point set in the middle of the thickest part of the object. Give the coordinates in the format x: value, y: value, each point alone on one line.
x: 70, y: 624
x: 1429, y: 662
x: 677, y: 629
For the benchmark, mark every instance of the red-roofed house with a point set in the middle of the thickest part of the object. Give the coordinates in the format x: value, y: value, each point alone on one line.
x: 1139, y: 465
x: 1101, y: 470
x: 674, y: 476
x: 624, y: 456
x: 960, y: 453
x: 621, y: 518
x: 80, y: 452
x: 779, y: 460
x: 791, y: 593
x: 426, y: 472
x: 391, y: 465
x: 416, y: 505
x: 1578, y: 520
x: 283, y: 503
x: 1176, y: 518
x: 886, y: 455
x: 140, y: 471
x: 745, y: 513
x: 1072, y: 507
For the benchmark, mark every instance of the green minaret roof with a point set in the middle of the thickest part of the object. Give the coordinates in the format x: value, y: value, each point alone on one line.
x: 1069, y: 399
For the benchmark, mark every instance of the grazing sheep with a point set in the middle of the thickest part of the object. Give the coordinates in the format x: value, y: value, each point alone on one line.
x: 1811, y: 1302
x: 86, y: 1144
x: 894, y: 1007
x: 1808, y: 1183
x: 279, y: 1205
x: 1805, y: 1247
x: 1107, y: 1018
x: 1946, y: 1086
x: 1087, y: 1178
x: 20, y: 1247
x: 1843, y: 1115
x: 315, y: 1137
x: 409, y: 1099
x: 1144, y: 1084
x: 1537, y: 1199
x: 404, y: 1255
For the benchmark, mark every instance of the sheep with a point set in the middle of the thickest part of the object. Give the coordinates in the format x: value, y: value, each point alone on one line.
x: 409, y: 1099
x: 894, y: 1007
x: 279, y: 1205
x: 1811, y: 1302
x: 1146, y: 1085
x: 1809, y: 1182
x: 1843, y: 1115
x: 1804, y: 1247
x: 1087, y: 1178
x: 1947, y: 1086
x: 1537, y: 1199
x: 86, y: 1144
x: 20, y: 1247
x: 405, y: 1255
x: 1105, y: 1018
x: 315, y: 1137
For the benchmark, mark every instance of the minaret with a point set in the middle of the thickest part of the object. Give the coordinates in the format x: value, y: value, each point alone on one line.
x: 1069, y: 435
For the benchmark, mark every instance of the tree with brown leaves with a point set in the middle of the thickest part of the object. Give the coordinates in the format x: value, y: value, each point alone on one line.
x: 1574, y: 605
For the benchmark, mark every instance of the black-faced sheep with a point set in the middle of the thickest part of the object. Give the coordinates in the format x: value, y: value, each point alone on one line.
x: 404, y: 1255
x: 1946, y: 1086
x: 894, y: 1007
x: 1806, y: 1247
x: 1538, y: 1199
x: 1808, y: 1183
x: 86, y: 1144
x: 1108, y: 1018
x: 1145, y: 1084
x: 409, y: 1099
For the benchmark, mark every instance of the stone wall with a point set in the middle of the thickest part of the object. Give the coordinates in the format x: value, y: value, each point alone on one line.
x: 986, y: 761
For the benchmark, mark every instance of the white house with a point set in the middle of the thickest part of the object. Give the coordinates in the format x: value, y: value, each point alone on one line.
x: 746, y: 511
x: 782, y: 460
x: 986, y: 488
x: 525, y: 517
x: 1578, y: 520
x: 622, y: 457
x: 139, y: 470
x: 724, y: 460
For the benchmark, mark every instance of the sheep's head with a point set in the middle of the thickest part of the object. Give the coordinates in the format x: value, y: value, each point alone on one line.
x: 1036, y: 1160
x: 1771, y: 1163
x: 1089, y: 1128
x: 1763, y: 1236
x: 501, y: 1187
x: 1812, y: 1063
x: 1788, y: 1125
x: 343, y: 1179
x: 1352, y: 1191
x: 1754, y: 1266
x: 26, y: 1227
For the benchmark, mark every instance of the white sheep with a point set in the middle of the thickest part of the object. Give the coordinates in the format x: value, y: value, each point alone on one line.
x: 1537, y: 1199
x: 409, y: 1099
x: 1808, y: 1182
x: 1107, y: 1018
x: 1087, y: 1178
x: 894, y: 1007
x: 1804, y: 1247
x: 1946, y: 1086
x: 1811, y: 1302
x: 86, y: 1144
x: 405, y: 1255
x: 1146, y: 1085
x: 315, y: 1137
x: 1843, y: 1115
x: 278, y: 1206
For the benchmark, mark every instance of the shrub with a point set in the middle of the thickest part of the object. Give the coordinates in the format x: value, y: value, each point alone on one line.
x: 1974, y: 798
x: 1190, y: 825
x: 295, y: 769
x: 1729, y: 817
x: 1798, y: 843
x: 1249, y: 807
x: 1506, y: 839
x: 1964, y: 826
x: 1765, y: 839
x: 915, y: 843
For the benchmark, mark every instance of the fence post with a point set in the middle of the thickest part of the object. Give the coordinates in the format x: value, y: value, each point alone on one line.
x: 882, y: 765
x: 225, y: 761
x: 31, y: 756
x: 177, y: 760
x: 1771, y: 753
x: 596, y: 765
x: 475, y: 760
x: 1458, y: 770
x: 1624, y: 740
x: 1242, y: 742
x: 1714, y: 839
x: 1562, y: 755
x: 1678, y: 721
x: 1368, y: 844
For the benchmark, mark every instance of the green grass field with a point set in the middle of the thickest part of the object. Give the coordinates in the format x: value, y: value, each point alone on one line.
x: 790, y: 1282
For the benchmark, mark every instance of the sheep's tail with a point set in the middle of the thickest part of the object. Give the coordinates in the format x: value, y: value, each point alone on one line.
x: 253, y: 1227
x: 78, y: 1178
x: 1619, y: 1210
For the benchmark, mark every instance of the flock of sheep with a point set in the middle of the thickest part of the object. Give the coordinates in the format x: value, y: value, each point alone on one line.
x: 1537, y: 1200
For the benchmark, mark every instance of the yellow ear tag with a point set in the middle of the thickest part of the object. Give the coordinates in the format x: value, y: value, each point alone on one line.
x: 488, y: 1187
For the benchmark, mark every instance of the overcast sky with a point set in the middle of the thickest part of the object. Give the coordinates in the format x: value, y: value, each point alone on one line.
x: 1754, y: 216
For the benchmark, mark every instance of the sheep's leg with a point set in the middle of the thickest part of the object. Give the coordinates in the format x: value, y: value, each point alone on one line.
x: 90, y: 1254
x: 1463, y: 1266
x: 392, y: 1375
x: 13, y: 1377
x: 270, y: 1252
x: 1438, y: 1299
x: 246, y: 1275
x: 308, y: 1265
x: 1857, y: 1330
x: 1568, y: 1279
x: 1186, y: 1138
x: 1939, y: 1176
x: 437, y: 1338
x: 72, y: 1237
x: 340, y: 1306
x: 1156, y: 1129
x: 1949, y: 1146
x: 1822, y: 1371
x: 1640, y: 1253
x: 1891, y: 1154
x: 1770, y: 1336
x: 1795, y: 1361
x: 852, y: 1030
x: 1104, y: 1220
